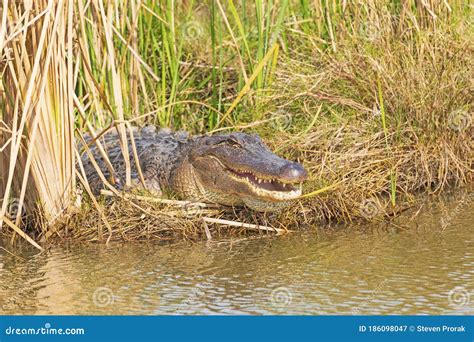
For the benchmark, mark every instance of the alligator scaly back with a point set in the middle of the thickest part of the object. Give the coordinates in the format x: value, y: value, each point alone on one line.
x: 159, y: 152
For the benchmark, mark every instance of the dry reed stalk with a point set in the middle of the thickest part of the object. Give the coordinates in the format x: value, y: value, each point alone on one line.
x: 245, y: 225
x: 158, y: 200
x: 38, y: 86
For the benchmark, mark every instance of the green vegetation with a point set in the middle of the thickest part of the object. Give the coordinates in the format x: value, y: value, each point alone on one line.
x: 375, y: 98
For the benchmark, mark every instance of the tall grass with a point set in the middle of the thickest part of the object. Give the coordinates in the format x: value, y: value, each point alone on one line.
x: 217, y: 65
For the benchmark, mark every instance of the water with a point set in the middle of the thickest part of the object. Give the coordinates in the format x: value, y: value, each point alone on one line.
x: 420, y: 266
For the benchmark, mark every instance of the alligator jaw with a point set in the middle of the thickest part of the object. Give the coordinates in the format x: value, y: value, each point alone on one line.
x: 272, y: 189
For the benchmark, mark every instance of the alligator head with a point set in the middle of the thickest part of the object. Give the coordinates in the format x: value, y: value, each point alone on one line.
x: 236, y: 169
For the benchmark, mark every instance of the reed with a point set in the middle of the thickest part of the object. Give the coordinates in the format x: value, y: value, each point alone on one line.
x: 37, y: 137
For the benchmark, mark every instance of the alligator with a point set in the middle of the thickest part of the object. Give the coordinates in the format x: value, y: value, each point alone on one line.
x: 232, y: 169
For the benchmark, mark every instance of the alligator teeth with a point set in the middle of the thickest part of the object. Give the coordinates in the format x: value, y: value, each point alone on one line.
x: 275, y: 195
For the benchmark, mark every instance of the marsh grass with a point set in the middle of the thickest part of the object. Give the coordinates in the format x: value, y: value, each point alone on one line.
x: 375, y: 96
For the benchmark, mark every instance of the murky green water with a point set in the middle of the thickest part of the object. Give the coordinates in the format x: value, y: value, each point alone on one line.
x: 416, y: 268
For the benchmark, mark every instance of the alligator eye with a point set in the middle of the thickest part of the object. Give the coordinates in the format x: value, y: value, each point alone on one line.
x: 233, y: 143
x: 229, y: 142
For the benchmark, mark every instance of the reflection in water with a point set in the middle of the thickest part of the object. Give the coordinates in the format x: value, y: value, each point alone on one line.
x: 423, y: 265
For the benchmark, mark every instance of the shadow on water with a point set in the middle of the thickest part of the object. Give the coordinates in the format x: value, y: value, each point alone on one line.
x: 422, y: 264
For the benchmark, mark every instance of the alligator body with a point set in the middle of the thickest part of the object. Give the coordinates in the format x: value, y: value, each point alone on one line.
x: 230, y: 169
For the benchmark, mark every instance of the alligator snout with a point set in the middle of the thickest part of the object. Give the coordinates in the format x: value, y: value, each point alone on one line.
x: 294, y: 172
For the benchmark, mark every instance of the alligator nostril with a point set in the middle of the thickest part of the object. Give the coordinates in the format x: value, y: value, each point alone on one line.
x: 294, y: 171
